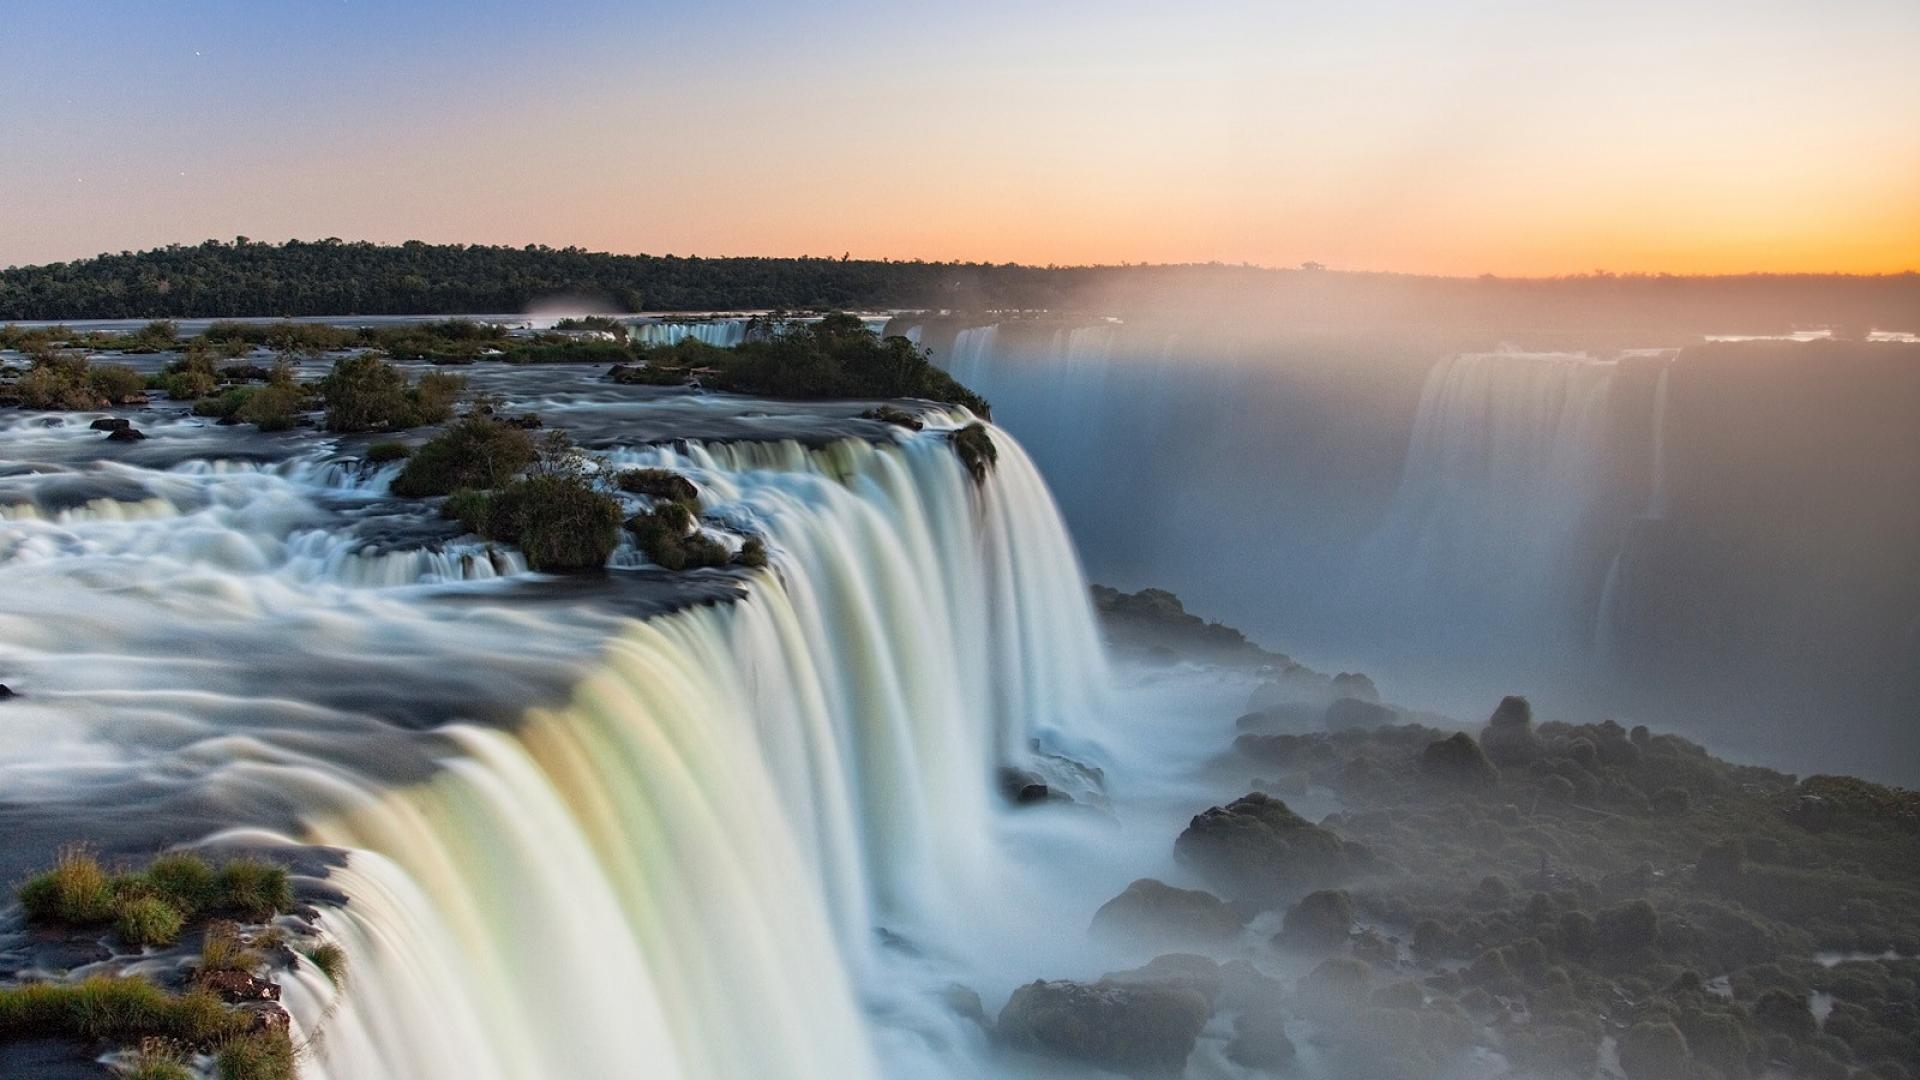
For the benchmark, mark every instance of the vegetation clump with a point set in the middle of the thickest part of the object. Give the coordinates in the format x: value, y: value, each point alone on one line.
x: 658, y: 484
x: 365, y: 393
x: 976, y: 450
x: 473, y: 453
x: 554, y: 514
x: 68, y: 383
x: 669, y: 535
x: 153, y: 906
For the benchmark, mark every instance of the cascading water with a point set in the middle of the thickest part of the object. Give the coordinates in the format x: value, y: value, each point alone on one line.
x: 1504, y: 471
x: 680, y: 868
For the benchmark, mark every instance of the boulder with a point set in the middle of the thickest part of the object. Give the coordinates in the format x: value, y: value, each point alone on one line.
x: 1260, y: 1041
x: 1354, y: 714
x: 1154, y: 915
x: 1508, y: 738
x: 1174, y: 971
x: 1257, y: 848
x: 1458, y: 760
x: 111, y: 423
x: 1354, y: 685
x: 1320, y: 922
x: 1143, y: 1031
x: 6, y: 692
x: 126, y: 434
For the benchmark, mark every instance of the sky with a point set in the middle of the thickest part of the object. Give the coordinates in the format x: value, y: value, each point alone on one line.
x: 1515, y: 137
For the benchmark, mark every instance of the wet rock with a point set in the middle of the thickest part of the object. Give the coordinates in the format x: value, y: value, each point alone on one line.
x: 1354, y: 714
x: 965, y: 1001
x: 1174, y: 971
x: 1256, y: 847
x: 1155, y: 915
x: 1352, y: 684
x: 266, y: 1018
x: 126, y: 434
x: 1024, y: 787
x: 1458, y: 760
x: 111, y: 423
x: 1508, y: 738
x: 887, y: 414
x: 1321, y: 921
x: 237, y: 987
x: 6, y: 692
x: 1260, y: 1040
x: 1139, y: 1031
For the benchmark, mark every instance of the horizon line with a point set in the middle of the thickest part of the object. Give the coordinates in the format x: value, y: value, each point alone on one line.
x: 1307, y: 266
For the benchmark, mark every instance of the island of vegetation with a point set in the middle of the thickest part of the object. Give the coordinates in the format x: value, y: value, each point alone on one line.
x: 228, y: 927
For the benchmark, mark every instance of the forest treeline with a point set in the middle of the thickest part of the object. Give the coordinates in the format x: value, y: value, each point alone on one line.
x: 219, y: 279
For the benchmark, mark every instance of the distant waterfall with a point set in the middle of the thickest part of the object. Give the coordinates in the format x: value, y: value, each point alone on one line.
x: 723, y: 333
x: 714, y: 825
x: 973, y: 355
x: 1503, y: 473
x: 1657, y: 486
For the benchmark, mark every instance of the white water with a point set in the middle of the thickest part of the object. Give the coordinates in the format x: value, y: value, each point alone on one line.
x: 679, y: 869
x: 1504, y: 471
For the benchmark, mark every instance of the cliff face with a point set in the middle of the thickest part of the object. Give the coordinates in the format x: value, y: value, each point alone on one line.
x: 1785, y: 569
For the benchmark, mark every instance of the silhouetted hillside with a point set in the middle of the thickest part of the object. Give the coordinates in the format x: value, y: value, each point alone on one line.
x: 332, y: 277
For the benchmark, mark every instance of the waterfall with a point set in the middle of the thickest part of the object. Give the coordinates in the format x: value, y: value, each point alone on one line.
x: 974, y: 351
x: 722, y: 333
x: 1503, y: 473
x: 701, y: 843
x: 1657, y: 485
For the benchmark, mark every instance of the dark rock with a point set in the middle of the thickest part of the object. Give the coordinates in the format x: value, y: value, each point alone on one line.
x: 1508, y: 738
x: 1320, y: 921
x: 887, y: 414
x: 111, y: 423
x: 1353, y: 714
x: 1354, y: 685
x: 266, y: 1018
x: 965, y: 1001
x: 235, y: 987
x: 1260, y: 1040
x: 1025, y: 788
x: 6, y: 692
x: 527, y: 422
x: 1257, y: 848
x: 1155, y: 915
x: 1458, y: 760
x: 126, y: 434
x: 1174, y: 971
x: 1139, y: 1031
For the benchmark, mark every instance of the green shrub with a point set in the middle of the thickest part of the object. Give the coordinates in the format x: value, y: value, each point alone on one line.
x: 381, y: 453
x: 473, y: 453
x: 251, y: 889
x: 59, y: 382
x: 186, y: 881
x: 271, y: 408
x: 560, y: 522
x: 188, y: 385
x: 658, y: 484
x: 76, y: 892
x: 435, y: 395
x: 266, y: 1055
x: 148, y: 920
x: 669, y: 536
x: 223, y: 949
x: 469, y: 508
x: 227, y: 405
x: 331, y: 959
x: 114, y: 1009
x: 365, y: 393
x: 752, y: 554
x: 118, y: 383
